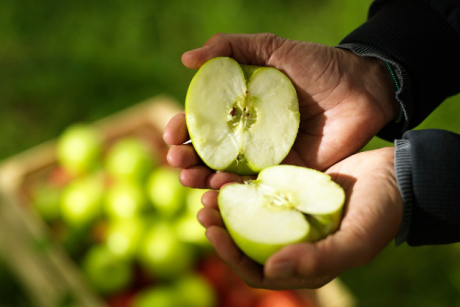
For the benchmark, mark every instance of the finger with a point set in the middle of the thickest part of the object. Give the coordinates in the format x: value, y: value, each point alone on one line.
x: 175, y: 132
x: 318, y: 262
x: 253, y: 49
x: 217, y: 180
x: 247, y: 269
x: 209, y: 199
x: 183, y: 156
x: 195, y: 177
x: 210, y: 217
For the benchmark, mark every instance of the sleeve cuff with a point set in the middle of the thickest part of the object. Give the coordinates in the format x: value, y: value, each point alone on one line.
x: 419, y: 38
x: 403, y: 95
x: 403, y: 170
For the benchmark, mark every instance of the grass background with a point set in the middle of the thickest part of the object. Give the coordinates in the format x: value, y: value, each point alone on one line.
x: 63, y: 61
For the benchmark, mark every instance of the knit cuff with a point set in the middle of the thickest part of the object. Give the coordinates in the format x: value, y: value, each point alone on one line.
x: 403, y: 170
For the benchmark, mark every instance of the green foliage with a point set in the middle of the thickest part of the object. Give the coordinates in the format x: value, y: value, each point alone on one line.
x: 68, y: 61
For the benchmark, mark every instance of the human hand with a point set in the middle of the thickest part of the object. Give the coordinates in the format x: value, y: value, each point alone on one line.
x: 372, y: 217
x: 344, y: 100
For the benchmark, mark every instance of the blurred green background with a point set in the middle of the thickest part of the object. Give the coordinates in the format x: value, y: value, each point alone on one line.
x: 62, y: 62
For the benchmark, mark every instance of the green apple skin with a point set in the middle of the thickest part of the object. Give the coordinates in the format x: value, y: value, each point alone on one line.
x: 79, y: 148
x: 124, y: 200
x: 105, y: 272
x: 163, y: 255
x: 193, y: 200
x: 189, y: 230
x: 160, y: 296
x: 81, y: 201
x: 195, y: 291
x: 257, y: 251
x: 317, y: 225
x: 130, y: 159
x: 244, y: 105
x: 45, y: 200
x: 165, y: 192
x: 124, y: 237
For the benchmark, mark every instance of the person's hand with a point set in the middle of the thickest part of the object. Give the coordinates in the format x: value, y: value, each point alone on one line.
x: 371, y: 220
x: 344, y: 100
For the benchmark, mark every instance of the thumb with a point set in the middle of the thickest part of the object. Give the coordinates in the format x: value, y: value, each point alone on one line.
x: 321, y: 261
x: 252, y: 49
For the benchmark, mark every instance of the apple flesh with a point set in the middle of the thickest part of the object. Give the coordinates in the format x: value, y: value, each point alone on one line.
x: 285, y: 205
x: 241, y: 118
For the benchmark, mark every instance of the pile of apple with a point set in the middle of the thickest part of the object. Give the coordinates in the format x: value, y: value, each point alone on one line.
x: 131, y: 227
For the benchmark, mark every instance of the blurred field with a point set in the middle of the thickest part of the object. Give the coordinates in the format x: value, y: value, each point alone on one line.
x: 62, y: 62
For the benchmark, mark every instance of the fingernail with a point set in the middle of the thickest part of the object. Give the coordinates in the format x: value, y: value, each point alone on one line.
x: 283, y: 269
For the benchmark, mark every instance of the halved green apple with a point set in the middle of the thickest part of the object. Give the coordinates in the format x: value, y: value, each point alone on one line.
x: 241, y: 118
x: 285, y: 205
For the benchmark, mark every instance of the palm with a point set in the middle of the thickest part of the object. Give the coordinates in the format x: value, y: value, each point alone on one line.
x: 334, y: 104
x: 372, y: 218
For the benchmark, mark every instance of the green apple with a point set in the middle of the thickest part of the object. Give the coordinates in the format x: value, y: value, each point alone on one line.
x: 189, y: 230
x: 160, y: 296
x: 193, y: 201
x: 124, y: 236
x: 81, y: 201
x: 187, y: 227
x: 78, y: 148
x: 105, y: 272
x: 195, y: 291
x: 166, y: 192
x: 241, y: 118
x: 285, y: 205
x: 45, y: 200
x: 124, y: 199
x: 163, y: 255
x: 130, y: 158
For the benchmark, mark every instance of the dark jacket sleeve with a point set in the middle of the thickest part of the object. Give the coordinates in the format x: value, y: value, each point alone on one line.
x: 423, y: 36
x: 427, y: 167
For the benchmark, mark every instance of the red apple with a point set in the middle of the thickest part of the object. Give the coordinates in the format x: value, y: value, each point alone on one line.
x: 281, y: 299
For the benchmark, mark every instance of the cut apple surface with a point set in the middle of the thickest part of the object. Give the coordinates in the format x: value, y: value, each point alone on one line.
x: 285, y: 205
x: 241, y: 118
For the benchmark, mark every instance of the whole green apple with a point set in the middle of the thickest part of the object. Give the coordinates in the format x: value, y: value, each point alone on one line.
x: 45, y: 200
x: 124, y: 200
x: 105, y: 272
x: 79, y: 148
x: 124, y: 236
x: 163, y: 255
x: 166, y: 192
x: 130, y: 159
x: 189, y: 230
x: 195, y: 291
x: 161, y: 296
x: 81, y: 201
x: 193, y: 200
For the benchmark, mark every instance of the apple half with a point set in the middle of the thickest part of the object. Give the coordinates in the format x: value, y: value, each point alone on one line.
x: 285, y: 205
x: 241, y: 118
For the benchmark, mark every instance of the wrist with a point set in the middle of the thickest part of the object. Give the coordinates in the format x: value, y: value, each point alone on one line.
x: 387, y: 79
x: 377, y: 82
